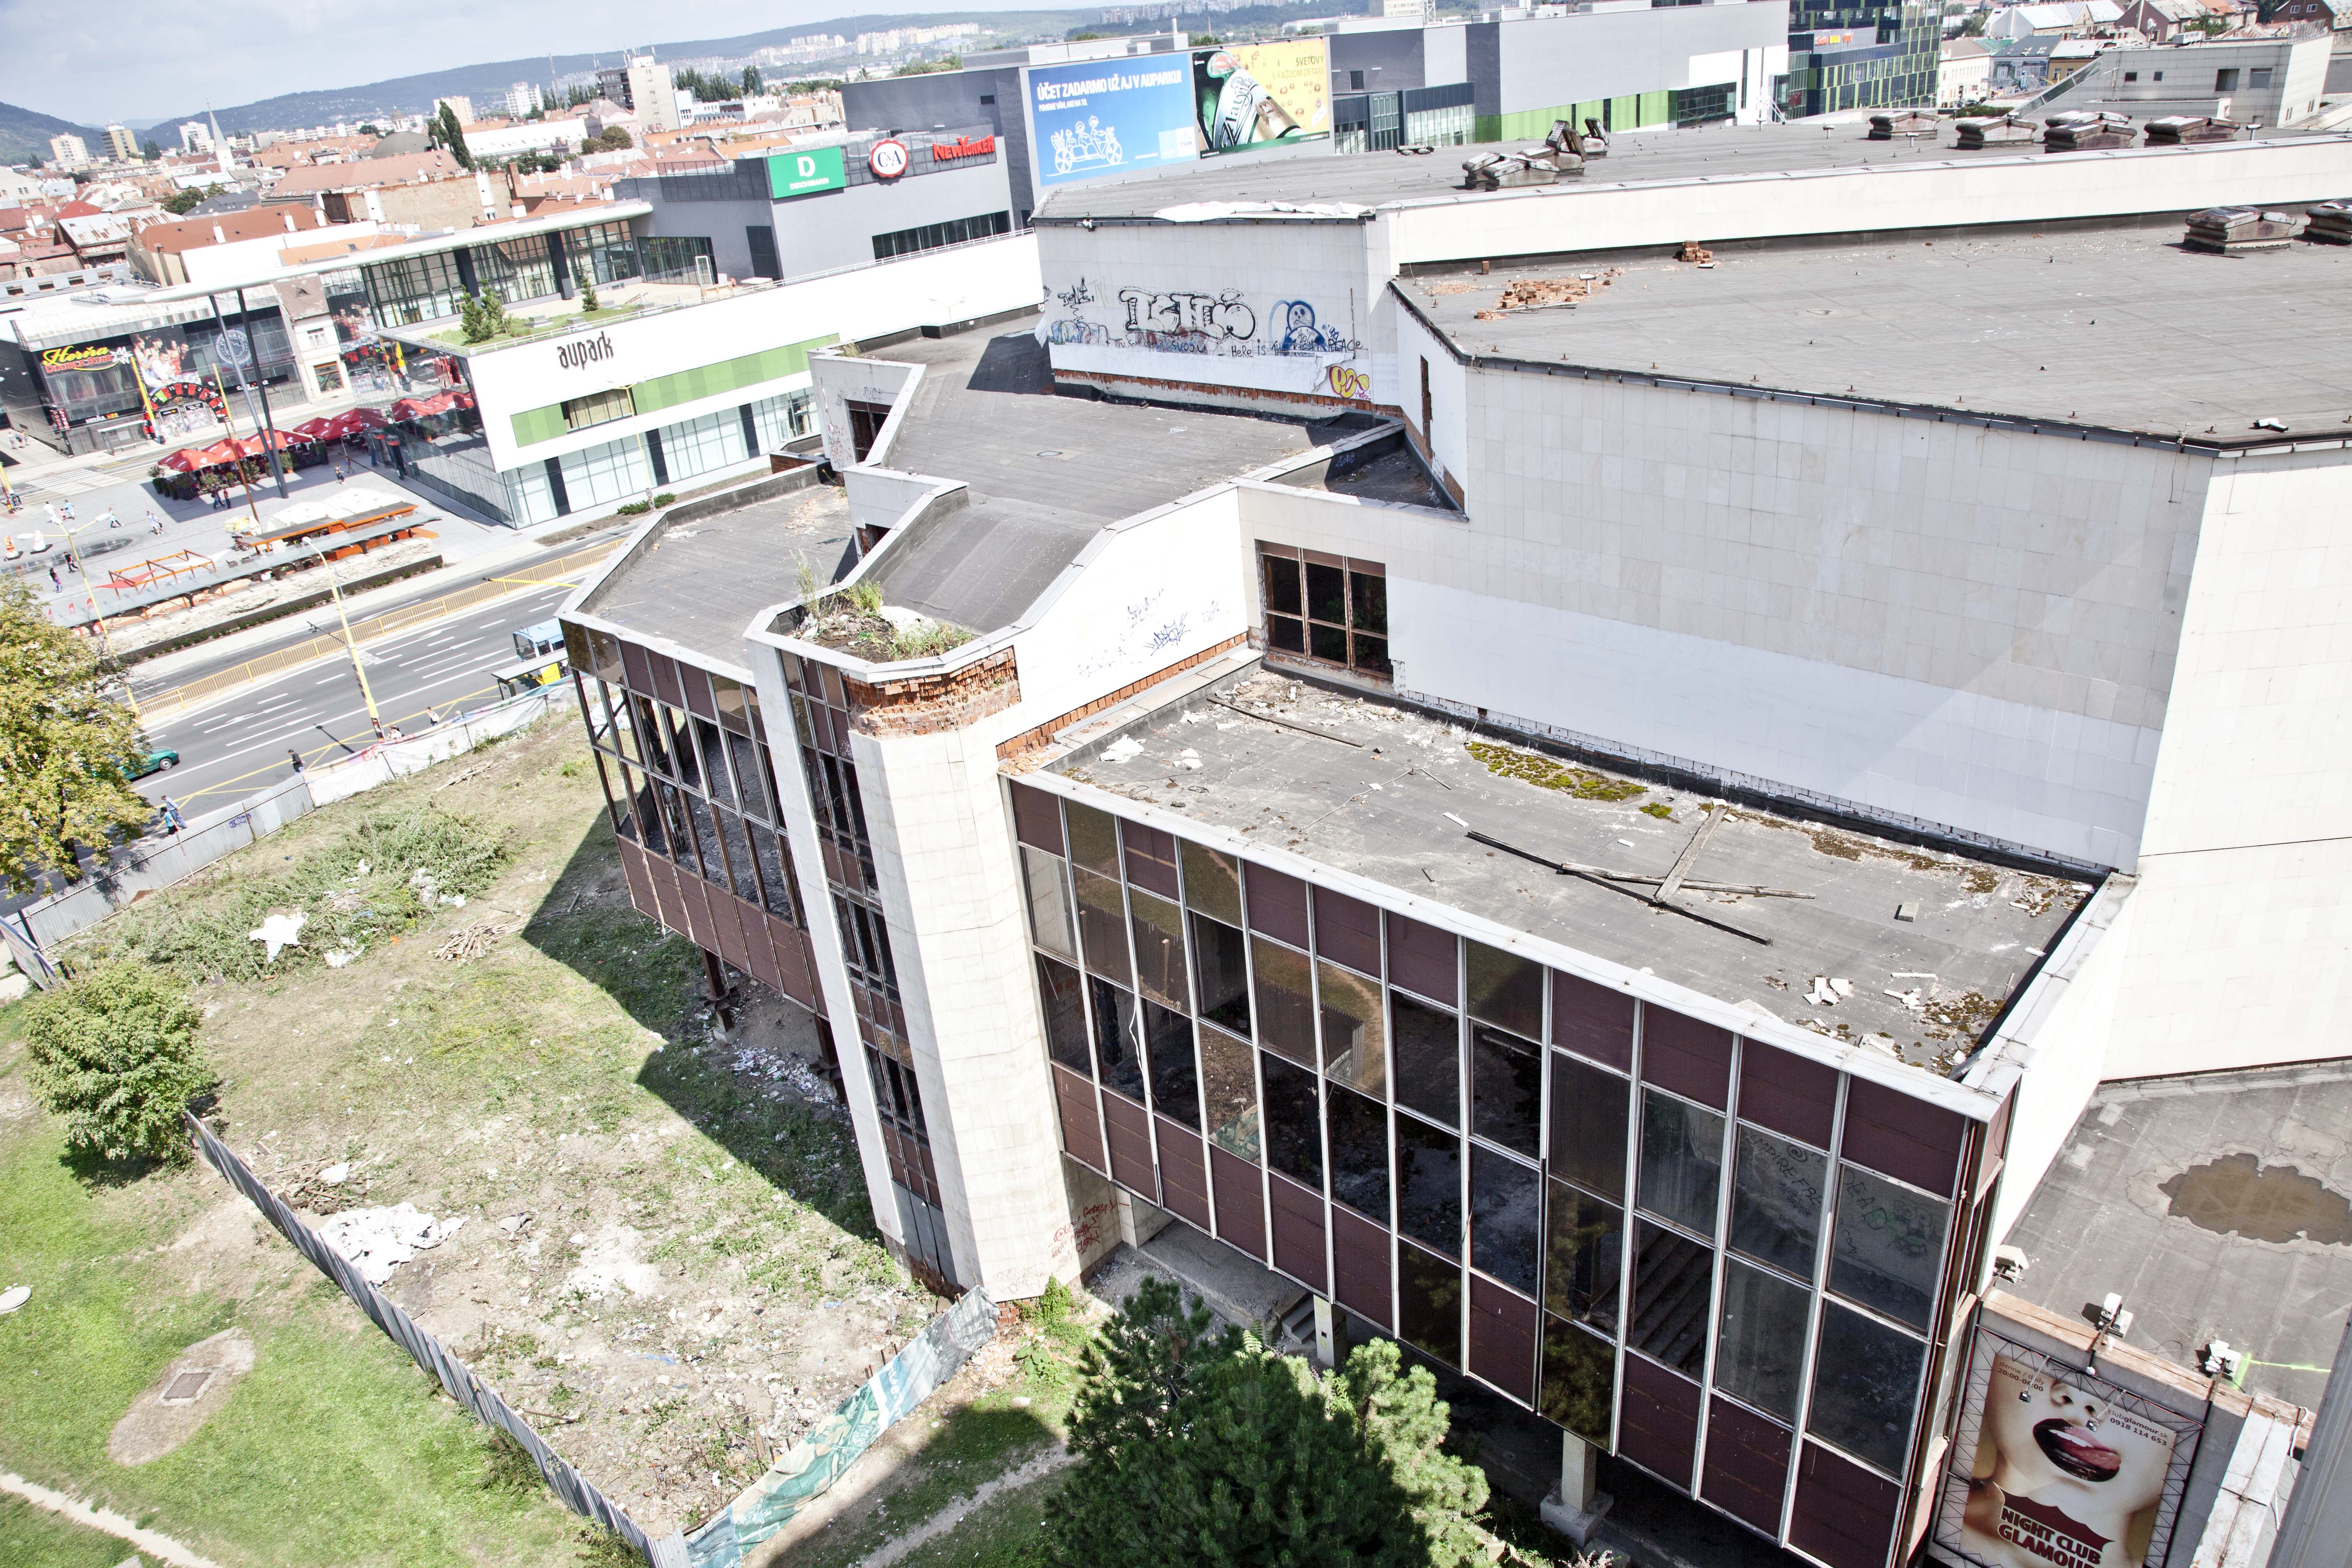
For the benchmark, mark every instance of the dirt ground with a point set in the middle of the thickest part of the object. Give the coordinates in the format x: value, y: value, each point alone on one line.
x: 666, y: 1256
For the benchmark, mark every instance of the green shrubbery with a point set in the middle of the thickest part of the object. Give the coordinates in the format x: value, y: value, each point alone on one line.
x: 115, y: 1056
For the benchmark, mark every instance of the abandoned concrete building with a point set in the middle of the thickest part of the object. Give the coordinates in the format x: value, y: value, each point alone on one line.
x: 1599, y: 806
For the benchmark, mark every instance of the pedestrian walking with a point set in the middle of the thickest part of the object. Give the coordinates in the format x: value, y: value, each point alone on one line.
x: 54, y: 582
x: 394, y: 734
x: 154, y: 523
x: 172, y: 820
x: 294, y: 759
x: 66, y: 507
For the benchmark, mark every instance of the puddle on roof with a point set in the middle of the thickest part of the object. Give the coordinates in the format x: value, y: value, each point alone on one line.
x: 2261, y: 1202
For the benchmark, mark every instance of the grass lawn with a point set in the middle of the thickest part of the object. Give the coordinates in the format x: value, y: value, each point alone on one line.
x: 35, y: 1538
x: 1003, y: 1534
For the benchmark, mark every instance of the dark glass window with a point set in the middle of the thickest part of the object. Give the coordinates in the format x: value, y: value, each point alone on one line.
x: 1429, y: 1296
x: 1168, y: 1041
x: 1094, y: 838
x: 1589, y: 1110
x: 1429, y: 1184
x: 1370, y: 603
x: 1760, y: 1355
x: 1102, y: 925
x: 1341, y: 617
x: 1115, y: 1039
x: 1282, y: 595
x: 1776, y: 1201
x: 1579, y: 1380
x: 1506, y: 1218
x: 1285, y: 1000
x: 1865, y: 1386
x: 1229, y: 1089
x: 1506, y: 989
x: 1890, y: 1245
x: 1065, y: 1015
x: 1359, y: 1151
x: 1585, y: 1257
x: 1428, y: 1058
x: 1293, y: 1137
x: 1354, y: 1037
x: 1506, y: 1089
x: 1674, y: 1285
x: 1049, y: 902
x: 1220, y: 968
x: 1682, y: 1161
x: 1212, y: 883
x: 1159, y: 948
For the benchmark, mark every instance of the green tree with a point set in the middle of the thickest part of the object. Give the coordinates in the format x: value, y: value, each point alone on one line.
x: 1201, y: 1449
x: 371, y: 131
x: 179, y: 203
x: 63, y: 747
x: 115, y: 1056
x: 588, y: 295
x: 149, y: 150
x: 451, y: 135
x: 751, y: 81
x: 481, y: 317
x: 614, y: 139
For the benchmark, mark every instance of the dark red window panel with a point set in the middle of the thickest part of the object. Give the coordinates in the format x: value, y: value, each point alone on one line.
x: 1361, y: 1260
x: 1684, y: 1055
x: 1592, y: 1021
x: 1128, y: 1128
x: 1902, y: 1137
x: 665, y: 673
x: 1183, y: 1173
x: 696, y: 685
x: 1503, y: 1338
x: 1298, y: 1232
x: 1037, y: 818
x: 1151, y: 857
x: 641, y: 887
x: 1422, y: 959
x: 1348, y: 931
x: 635, y: 667
x: 1658, y: 1426
x: 1787, y: 1093
x: 1075, y: 1097
x: 1241, y: 1206
x: 1747, y: 1464
x: 1844, y: 1515
x: 1277, y: 904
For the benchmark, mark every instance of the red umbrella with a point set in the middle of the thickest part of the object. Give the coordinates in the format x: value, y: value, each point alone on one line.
x: 186, y: 461
x: 465, y: 399
x: 220, y: 454
x: 312, y: 429
x: 406, y: 408
x: 255, y: 446
x: 368, y: 418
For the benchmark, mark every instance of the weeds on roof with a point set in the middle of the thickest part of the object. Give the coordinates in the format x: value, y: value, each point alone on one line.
x: 1544, y: 773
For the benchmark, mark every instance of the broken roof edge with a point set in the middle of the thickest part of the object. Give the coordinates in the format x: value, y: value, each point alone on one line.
x: 1036, y: 770
x: 1939, y: 413
x: 2010, y: 1047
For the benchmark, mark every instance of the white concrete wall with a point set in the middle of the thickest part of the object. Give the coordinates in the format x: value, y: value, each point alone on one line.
x: 2240, y: 956
x: 1447, y: 435
x: 841, y: 379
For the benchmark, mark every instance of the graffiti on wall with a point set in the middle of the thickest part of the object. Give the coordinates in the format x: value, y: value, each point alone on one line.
x: 1197, y: 323
x: 1349, y: 382
x: 1146, y: 633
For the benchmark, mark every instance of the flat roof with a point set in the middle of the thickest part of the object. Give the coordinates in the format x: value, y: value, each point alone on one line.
x: 1388, y: 793
x: 1045, y: 473
x: 2219, y: 1207
x: 2116, y: 327
x: 1372, y: 180
x: 698, y: 582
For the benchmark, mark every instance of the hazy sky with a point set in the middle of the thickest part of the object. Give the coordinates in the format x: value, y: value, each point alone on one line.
x: 138, y: 59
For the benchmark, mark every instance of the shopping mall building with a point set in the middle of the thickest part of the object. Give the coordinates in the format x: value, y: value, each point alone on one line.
x: 1612, y: 845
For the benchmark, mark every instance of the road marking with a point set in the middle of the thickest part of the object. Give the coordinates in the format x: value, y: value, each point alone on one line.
x: 225, y: 786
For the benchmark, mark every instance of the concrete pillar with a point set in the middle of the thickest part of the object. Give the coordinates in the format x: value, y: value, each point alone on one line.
x: 1326, y: 1342
x: 1139, y: 1221
x: 1575, y: 1508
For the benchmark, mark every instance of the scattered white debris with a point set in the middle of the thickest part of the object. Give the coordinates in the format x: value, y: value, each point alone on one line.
x: 1190, y: 717
x: 14, y: 1297
x: 1122, y: 749
x: 1188, y: 758
x: 278, y: 931
x: 378, y: 1241
x: 1629, y: 844
x: 512, y: 1225
x: 361, y: 873
x: 2020, y: 904
x: 1911, y: 974
x: 1844, y: 988
x: 337, y: 1174
x: 1820, y: 995
x: 1455, y: 820
x: 1910, y: 999
x: 338, y: 957
x: 1230, y: 725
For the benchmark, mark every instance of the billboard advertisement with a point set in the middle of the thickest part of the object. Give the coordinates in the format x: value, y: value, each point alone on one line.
x: 804, y: 172
x: 1111, y: 117
x: 1249, y: 95
x: 1144, y: 113
x: 2066, y: 1471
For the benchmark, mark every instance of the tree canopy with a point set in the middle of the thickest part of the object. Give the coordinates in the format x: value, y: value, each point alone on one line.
x: 64, y: 746
x: 1200, y: 1448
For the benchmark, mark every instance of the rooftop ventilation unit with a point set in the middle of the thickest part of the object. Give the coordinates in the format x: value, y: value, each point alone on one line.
x: 1509, y: 171
x: 2175, y: 130
x: 2004, y: 131
x: 2226, y: 230
x: 2331, y: 223
x: 1903, y: 122
x: 2087, y: 130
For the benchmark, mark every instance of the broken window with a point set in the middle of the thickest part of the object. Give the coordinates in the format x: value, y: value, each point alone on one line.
x: 1102, y: 925
x: 1285, y: 1000
x: 1358, y: 1128
x: 1221, y: 969
x: 1049, y: 902
x: 1865, y: 1386
x: 1506, y: 1218
x: 1294, y: 1122
x: 1429, y: 1296
x: 1212, y: 883
x: 1115, y: 1038
x: 1760, y: 1355
x: 1065, y: 1015
x: 865, y: 945
x: 1428, y: 1054
x: 1506, y: 1089
x: 1355, y: 1049
x: 1159, y: 948
x: 1584, y: 1257
x: 1429, y: 1184
x: 1682, y: 1161
x: 1776, y: 1201
x: 1674, y: 1285
x: 1229, y: 1092
x: 1168, y: 1046
x: 1589, y: 1109
x: 1330, y: 609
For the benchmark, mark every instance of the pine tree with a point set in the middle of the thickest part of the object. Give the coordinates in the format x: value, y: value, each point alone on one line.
x: 452, y: 136
x: 751, y: 81
x: 1405, y: 1423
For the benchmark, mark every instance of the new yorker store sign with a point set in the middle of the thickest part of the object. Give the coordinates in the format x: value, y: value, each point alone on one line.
x: 962, y: 147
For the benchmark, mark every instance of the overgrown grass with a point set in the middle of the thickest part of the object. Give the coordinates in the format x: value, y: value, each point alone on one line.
x: 1544, y: 773
x: 370, y: 881
x: 1008, y: 1531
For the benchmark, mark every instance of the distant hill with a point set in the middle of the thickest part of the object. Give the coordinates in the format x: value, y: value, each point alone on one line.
x: 487, y: 84
x: 25, y: 135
